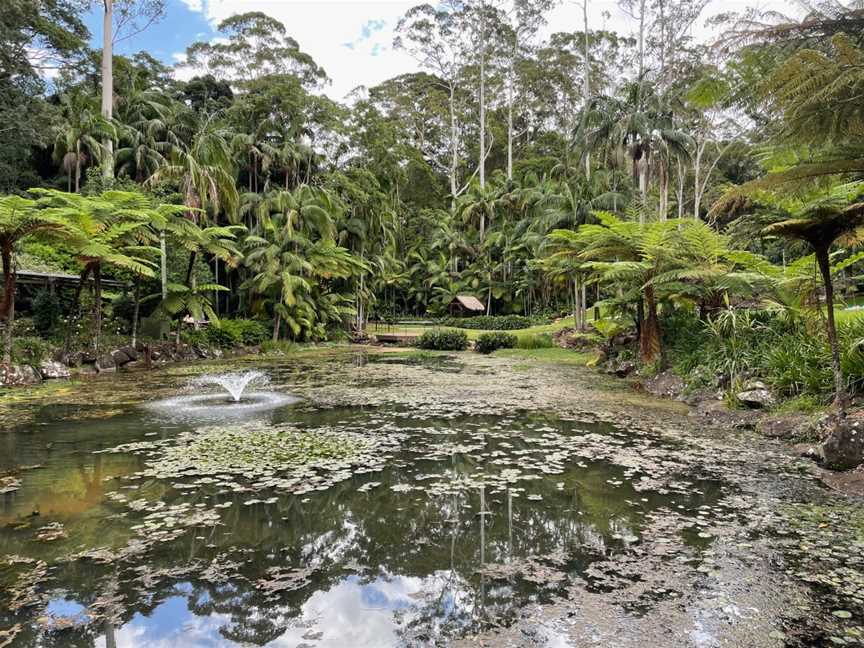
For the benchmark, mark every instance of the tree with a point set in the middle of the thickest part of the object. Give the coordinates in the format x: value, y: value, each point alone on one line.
x: 120, y: 19
x: 19, y: 218
x: 821, y: 222
x: 111, y: 229
x: 433, y: 36
x: 251, y: 46
x: 81, y: 139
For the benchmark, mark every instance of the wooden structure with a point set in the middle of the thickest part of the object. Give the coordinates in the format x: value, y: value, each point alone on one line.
x: 59, y: 279
x: 465, y: 306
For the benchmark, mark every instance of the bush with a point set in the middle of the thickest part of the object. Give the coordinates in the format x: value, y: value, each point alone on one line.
x: 46, y: 312
x: 489, y: 342
x: 535, y: 341
x: 228, y: 334
x: 443, y: 340
x: 245, y: 332
x: 489, y: 322
x: 30, y: 350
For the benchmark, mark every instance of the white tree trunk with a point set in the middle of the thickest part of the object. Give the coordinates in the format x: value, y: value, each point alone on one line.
x: 108, y: 84
x: 454, y: 144
x: 482, y: 166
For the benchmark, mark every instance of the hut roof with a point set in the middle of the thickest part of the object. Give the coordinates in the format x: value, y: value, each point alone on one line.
x: 469, y: 303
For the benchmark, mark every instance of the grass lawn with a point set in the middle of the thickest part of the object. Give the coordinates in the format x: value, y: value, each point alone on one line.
x: 473, y: 334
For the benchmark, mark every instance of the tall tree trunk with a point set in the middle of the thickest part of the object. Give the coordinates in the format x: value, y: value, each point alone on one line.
x: 78, y: 167
x: 75, y: 310
x: 586, y: 81
x: 277, y: 324
x: 97, y: 288
x: 482, y: 94
x: 584, y: 305
x: 510, y: 127
x: 649, y: 338
x: 8, y: 280
x: 163, y: 264
x: 108, y: 84
x: 9, y: 300
x: 137, y: 311
x: 822, y: 258
x: 576, y: 323
x: 191, y: 283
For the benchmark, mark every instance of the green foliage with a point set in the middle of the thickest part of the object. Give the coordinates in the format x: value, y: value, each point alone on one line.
x: 488, y: 322
x: 228, y: 334
x: 46, y: 312
x: 279, y: 347
x: 535, y: 341
x: 443, y: 340
x: 489, y: 342
x: 30, y: 350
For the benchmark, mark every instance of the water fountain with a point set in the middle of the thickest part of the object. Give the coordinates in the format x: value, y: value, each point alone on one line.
x: 233, y: 383
x: 234, y: 400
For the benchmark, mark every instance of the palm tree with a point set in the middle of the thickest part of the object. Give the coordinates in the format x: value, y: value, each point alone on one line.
x: 289, y: 267
x: 637, y: 125
x: 79, y: 140
x: 19, y: 218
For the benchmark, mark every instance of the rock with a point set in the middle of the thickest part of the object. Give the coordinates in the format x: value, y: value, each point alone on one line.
x: 131, y: 352
x: 106, y: 363
x: 51, y: 369
x: 756, y: 395
x: 621, y: 368
x: 843, y: 445
x: 665, y: 385
x: 120, y: 358
x: 791, y: 427
x: 19, y: 376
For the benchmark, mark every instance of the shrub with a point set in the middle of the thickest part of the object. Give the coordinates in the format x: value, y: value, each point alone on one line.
x: 30, y: 350
x: 46, y: 312
x: 443, y: 340
x: 245, y: 332
x: 228, y: 334
x: 535, y: 341
x: 489, y: 342
x: 489, y: 322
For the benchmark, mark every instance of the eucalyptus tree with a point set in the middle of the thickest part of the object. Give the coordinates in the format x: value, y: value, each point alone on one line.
x: 120, y: 19
x: 433, y: 35
x: 250, y: 46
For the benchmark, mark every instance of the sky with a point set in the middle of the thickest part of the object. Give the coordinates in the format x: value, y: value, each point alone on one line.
x: 351, y: 39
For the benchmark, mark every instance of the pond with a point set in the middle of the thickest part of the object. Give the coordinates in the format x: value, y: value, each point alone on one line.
x: 395, y: 501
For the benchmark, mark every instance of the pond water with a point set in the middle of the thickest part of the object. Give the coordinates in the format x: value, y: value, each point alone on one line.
x: 450, y: 523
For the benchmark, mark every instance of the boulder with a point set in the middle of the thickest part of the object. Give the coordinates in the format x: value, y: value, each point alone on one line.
x: 843, y: 444
x: 120, y: 358
x: 621, y: 368
x: 756, y: 395
x: 665, y: 385
x: 52, y: 369
x: 106, y: 363
x: 131, y: 352
x: 19, y: 376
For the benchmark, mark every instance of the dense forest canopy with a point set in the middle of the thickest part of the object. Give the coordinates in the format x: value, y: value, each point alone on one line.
x: 536, y: 170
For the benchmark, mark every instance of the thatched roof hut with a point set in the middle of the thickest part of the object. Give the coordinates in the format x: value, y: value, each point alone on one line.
x: 465, y: 305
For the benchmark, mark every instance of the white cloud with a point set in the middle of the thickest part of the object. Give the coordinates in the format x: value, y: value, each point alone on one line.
x: 353, y: 39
